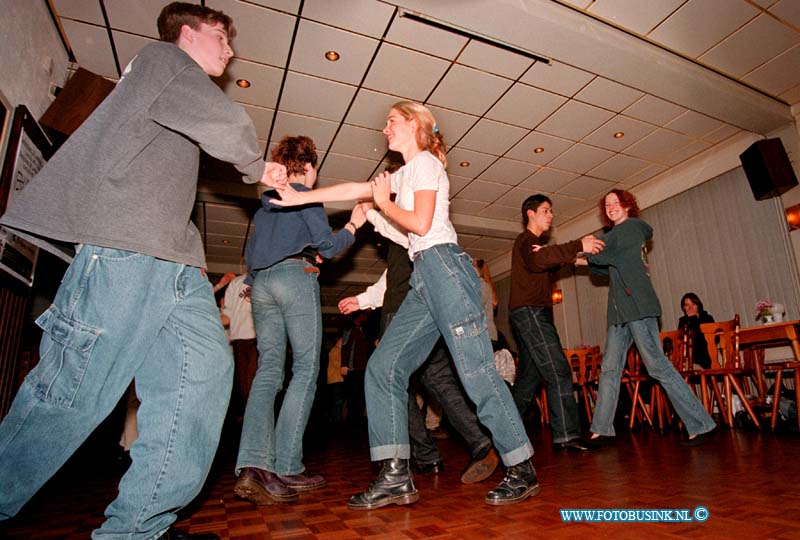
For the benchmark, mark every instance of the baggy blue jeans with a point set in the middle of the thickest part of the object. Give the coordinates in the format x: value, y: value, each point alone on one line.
x: 644, y: 332
x: 444, y: 299
x: 541, y: 359
x: 285, y: 300
x: 117, y: 316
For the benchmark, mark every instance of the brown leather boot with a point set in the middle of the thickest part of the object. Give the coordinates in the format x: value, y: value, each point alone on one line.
x: 394, y: 485
x: 263, y: 487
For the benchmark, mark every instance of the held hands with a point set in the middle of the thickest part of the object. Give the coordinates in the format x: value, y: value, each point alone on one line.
x: 274, y: 174
x: 358, y: 216
x: 366, y: 206
x: 382, y: 189
x: 348, y: 305
x: 592, y: 245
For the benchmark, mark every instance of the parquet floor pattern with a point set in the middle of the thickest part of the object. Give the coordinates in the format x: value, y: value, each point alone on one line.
x: 747, y: 480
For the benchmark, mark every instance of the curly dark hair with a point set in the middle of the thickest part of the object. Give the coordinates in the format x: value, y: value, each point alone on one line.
x: 176, y: 14
x: 294, y: 153
x: 626, y: 200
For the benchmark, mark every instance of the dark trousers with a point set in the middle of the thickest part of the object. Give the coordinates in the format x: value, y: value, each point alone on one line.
x: 354, y: 392
x: 245, y: 364
x: 542, y: 360
x: 439, y: 380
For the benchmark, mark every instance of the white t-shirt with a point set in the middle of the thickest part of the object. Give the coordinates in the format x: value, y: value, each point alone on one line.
x: 238, y: 309
x: 425, y: 172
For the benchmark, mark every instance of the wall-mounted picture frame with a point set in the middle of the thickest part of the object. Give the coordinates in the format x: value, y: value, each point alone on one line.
x: 27, y: 149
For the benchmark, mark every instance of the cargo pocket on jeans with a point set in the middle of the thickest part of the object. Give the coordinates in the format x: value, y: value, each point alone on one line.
x: 471, y: 345
x: 65, y: 353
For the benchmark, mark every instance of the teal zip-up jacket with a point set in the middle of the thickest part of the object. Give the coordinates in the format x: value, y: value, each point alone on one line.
x: 631, y: 295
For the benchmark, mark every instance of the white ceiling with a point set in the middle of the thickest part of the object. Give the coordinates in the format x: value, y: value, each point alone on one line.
x: 678, y: 77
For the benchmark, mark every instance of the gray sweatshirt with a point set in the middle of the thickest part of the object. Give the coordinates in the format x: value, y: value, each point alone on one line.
x: 127, y: 178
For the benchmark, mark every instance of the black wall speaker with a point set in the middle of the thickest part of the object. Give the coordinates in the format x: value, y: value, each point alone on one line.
x: 768, y: 169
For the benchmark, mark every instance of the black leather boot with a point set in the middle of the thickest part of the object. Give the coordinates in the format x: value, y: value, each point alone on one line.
x: 394, y: 485
x: 519, y: 484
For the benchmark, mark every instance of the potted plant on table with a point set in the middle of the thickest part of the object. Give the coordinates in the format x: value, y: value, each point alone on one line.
x: 764, y: 311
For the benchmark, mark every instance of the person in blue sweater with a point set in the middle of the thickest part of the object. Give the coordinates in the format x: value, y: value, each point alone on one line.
x: 633, y: 309
x: 281, y: 260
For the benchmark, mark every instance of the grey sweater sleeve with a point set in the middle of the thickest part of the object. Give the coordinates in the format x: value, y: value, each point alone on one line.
x: 190, y: 105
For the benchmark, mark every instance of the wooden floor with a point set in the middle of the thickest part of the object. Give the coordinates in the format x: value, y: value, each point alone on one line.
x: 747, y: 480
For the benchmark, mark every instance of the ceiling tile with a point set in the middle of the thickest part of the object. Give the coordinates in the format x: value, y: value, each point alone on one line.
x: 525, y: 106
x: 788, y: 11
x: 451, y: 91
x: 515, y: 197
x: 135, y: 17
x: 686, y: 152
x: 580, y: 158
x: 618, y: 168
x: 548, y: 180
x: 492, y: 137
x: 424, y: 38
x: 316, y: 97
x: 557, y: 77
x: 91, y: 47
x: 553, y: 146
x: 495, y: 60
x: 791, y: 96
x: 658, y: 145
x: 419, y: 76
x: 224, y: 241
x: 654, y: 110
x: 347, y: 167
x: 608, y: 94
x: 229, y: 213
x: 360, y: 142
x: 486, y: 192
x: 318, y: 130
x: 694, y: 124
x: 492, y: 243
x: 252, y: 24
x: 465, y: 207
x: 508, y: 171
x: 314, y: 40
x: 633, y: 131
x: 265, y: 83
x: 128, y: 46
x: 452, y: 124
x: 575, y: 120
x: 457, y: 183
x: 722, y: 133
x: 779, y: 74
x: 370, y: 109
x: 81, y: 10
x: 289, y: 6
x: 567, y: 206
x: 645, y: 174
x: 586, y: 187
x: 719, y: 18
x: 641, y: 17
x: 262, y: 119
x: 373, y: 17
x: 737, y: 55
x: 478, y: 162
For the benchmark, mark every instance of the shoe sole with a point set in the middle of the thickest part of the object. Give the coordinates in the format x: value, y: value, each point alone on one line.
x: 307, y: 487
x: 409, y: 498
x: 530, y: 492
x: 481, y: 470
x: 254, y: 492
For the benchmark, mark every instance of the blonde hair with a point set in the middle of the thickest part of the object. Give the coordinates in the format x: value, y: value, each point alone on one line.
x: 428, y: 136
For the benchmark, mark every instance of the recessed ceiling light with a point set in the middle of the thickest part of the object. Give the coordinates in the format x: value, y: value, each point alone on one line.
x: 242, y: 83
x: 538, y: 150
x: 464, y: 164
x: 619, y: 135
x: 226, y: 242
x: 333, y: 56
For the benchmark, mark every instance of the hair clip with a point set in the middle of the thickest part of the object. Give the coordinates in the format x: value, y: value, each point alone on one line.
x: 435, y: 129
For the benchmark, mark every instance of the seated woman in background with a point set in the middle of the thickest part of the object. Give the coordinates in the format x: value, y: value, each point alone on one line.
x: 693, y: 316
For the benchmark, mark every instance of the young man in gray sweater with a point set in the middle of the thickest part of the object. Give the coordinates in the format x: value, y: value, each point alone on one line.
x: 135, y: 302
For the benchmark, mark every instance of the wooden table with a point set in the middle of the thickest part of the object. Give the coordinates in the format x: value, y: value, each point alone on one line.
x: 757, y: 338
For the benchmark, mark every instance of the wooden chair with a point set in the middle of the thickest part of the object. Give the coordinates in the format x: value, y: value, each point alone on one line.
x: 632, y: 377
x: 780, y: 368
x: 727, y: 370
x: 677, y: 347
x: 585, y: 365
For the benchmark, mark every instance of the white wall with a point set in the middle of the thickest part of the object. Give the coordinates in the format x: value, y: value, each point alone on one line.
x: 31, y: 54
